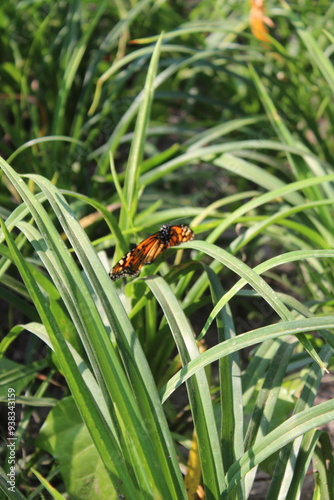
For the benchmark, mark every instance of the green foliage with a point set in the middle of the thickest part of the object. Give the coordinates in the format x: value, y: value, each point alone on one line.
x: 110, y: 129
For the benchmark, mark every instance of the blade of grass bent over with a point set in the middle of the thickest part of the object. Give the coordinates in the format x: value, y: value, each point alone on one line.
x: 242, y: 341
x: 261, y: 268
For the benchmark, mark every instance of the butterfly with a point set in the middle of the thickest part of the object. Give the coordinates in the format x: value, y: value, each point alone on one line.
x: 149, y: 249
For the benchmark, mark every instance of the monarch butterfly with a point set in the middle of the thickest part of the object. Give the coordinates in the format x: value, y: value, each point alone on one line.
x: 149, y: 249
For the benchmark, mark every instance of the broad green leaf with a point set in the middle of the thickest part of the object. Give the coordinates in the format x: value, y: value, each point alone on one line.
x: 65, y: 436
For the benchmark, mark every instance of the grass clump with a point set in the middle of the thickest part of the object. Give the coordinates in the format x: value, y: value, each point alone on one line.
x: 203, y: 372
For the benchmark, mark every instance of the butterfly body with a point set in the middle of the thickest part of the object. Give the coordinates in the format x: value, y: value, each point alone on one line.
x: 149, y: 249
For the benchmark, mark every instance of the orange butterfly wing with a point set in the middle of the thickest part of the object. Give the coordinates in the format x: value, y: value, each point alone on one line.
x: 144, y: 253
x: 149, y: 249
x: 178, y: 234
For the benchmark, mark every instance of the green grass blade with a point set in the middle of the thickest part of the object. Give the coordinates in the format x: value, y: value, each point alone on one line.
x: 285, y: 433
x: 317, y: 55
x: 74, y: 51
x: 249, y: 275
x: 306, y: 451
x: 275, y: 261
x: 283, y: 474
x: 112, y: 39
x: 108, y: 217
x: 11, y: 494
x: 324, y: 239
x: 137, y: 145
x: 230, y: 386
x: 266, y: 402
x: 266, y: 198
x: 230, y: 382
x: 42, y: 140
x: 209, y: 151
x: 243, y: 340
x: 323, y: 463
x: 198, y: 389
x: 53, y: 492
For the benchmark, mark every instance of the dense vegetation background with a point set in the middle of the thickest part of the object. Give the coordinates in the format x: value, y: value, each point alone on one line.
x: 199, y: 379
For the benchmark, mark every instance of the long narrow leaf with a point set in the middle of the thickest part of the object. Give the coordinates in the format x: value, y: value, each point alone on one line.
x: 244, y: 340
x: 137, y: 145
x: 285, y: 433
x: 198, y: 390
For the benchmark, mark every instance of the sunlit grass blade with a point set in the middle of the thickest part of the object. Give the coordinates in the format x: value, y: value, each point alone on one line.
x: 42, y: 140
x: 137, y: 146
x: 323, y: 463
x: 198, y: 389
x: 241, y: 269
x: 283, y: 474
x: 283, y: 192
x: 108, y: 217
x: 285, y: 433
x: 243, y: 340
x: 266, y: 402
x: 230, y: 386
x: 53, y: 492
x: 230, y: 147
x: 203, y: 138
x: 275, y: 261
x: 230, y: 381
x: 323, y: 240
x: 301, y: 466
x: 300, y: 168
